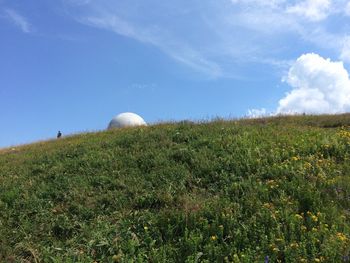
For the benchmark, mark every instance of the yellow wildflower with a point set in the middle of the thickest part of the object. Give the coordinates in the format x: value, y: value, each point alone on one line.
x: 294, y: 245
x: 298, y: 216
x: 213, y: 238
x: 116, y: 258
x: 275, y: 249
x: 267, y: 205
x: 314, y: 218
x: 341, y: 237
x: 308, y: 165
x: 272, y: 184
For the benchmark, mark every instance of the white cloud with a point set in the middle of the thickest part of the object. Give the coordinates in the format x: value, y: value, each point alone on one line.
x: 264, y: 3
x: 347, y: 9
x: 210, y: 37
x: 79, y: 2
x: 18, y: 20
x: 314, y: 10
x: 319, y: 86
x: 158, y: 37
x: 257, y: 113
x: 218, y: 37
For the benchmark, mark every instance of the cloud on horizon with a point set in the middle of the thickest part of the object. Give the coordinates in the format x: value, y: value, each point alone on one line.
x: 319, y: 86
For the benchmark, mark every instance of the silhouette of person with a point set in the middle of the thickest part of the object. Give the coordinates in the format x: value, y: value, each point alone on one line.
x: 59, y: 134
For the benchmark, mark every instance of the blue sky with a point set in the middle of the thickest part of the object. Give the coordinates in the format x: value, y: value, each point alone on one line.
x: 72, y: 65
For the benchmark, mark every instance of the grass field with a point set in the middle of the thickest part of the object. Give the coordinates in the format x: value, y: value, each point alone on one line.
x: 274, y: 189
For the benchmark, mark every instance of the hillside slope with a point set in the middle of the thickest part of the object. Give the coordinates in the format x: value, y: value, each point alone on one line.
x: 236, y: 191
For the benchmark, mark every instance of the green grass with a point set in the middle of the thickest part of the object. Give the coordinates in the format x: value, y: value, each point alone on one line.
x: 224, y: 191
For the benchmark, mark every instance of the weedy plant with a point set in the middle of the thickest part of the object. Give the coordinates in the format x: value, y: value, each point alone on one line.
x: 264, y: 190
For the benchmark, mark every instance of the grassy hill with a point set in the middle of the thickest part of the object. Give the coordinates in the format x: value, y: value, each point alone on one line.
x: 224, y: 191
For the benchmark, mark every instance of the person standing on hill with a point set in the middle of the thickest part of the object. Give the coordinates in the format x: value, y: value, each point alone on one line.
x: 59, y: 134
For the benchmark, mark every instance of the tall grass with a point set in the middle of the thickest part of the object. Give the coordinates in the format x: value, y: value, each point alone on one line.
x: 225, y: 191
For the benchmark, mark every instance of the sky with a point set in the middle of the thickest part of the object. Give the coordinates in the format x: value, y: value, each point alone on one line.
x: 72, y: 65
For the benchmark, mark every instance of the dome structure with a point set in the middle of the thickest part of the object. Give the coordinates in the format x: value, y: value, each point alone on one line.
x: 126, y: 119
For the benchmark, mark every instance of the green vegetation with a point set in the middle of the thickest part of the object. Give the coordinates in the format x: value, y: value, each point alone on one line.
x: 225, y: 191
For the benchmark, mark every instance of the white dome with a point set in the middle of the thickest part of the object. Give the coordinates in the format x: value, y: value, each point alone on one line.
x: 126, y: 119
